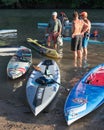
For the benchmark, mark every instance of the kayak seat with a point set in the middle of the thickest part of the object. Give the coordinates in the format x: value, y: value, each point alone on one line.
x: 24, y: 59
x: 26, y: 55
x: 44, y: 81
x: 47, y: 62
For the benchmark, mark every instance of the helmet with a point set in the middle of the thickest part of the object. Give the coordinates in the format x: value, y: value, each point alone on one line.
x: 54, y: 13
x: 62, y: 14
x: 84, y: 14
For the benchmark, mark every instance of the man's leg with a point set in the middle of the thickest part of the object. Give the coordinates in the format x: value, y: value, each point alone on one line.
x: 55, y: 35
x: 49, y: 40
x: 80, y: 58
x: 75, y: 58
x: 55, y: 46
x: 85, y: 53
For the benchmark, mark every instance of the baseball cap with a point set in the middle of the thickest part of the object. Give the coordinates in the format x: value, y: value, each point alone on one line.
x: 54, y: 13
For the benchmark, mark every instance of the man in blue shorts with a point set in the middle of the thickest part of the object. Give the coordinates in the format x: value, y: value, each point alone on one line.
x: 84, y: 16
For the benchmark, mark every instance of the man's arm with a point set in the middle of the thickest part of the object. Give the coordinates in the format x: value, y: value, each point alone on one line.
x: 73, y: 29
x: 85, y: 28
x: 60, y: 27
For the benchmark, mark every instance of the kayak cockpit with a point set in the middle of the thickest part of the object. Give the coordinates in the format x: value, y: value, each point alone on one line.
x: 96, y: 78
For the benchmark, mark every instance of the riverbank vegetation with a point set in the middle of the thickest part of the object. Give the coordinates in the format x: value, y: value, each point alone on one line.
x: 41, y: 4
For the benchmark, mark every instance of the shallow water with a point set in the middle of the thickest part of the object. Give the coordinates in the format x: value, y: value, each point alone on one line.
x: 25, y: 21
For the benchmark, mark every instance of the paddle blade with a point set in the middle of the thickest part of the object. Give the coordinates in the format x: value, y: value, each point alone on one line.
x: 36, y: 68
x: 31, y: 40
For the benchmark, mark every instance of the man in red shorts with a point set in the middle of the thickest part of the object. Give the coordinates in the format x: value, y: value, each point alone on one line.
x: 54, y: 29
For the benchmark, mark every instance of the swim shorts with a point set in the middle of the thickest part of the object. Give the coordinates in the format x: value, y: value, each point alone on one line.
x: 76, y: 43
x: 85, y: 40
x: 52, y: 37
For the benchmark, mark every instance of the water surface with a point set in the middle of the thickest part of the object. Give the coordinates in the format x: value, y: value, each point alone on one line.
x: 25, y: 21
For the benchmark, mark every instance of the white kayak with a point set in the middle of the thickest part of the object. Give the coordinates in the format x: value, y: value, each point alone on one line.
x: 8, y: 33
x: 7, y: 53
x: 42, y: 86
x: 3, y: 31
x: 19, y: 63
x: 8, y: 49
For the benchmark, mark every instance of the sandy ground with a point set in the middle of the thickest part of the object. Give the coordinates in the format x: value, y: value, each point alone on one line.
x: 16, y: 115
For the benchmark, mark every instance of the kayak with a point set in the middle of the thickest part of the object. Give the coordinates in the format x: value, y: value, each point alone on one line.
x: 90, y: 40
x: 8, y: 33
x: 43, y: 85
x: 86, y: 96
x: 42, y: 49
x: 3, y: 31
x: 19, y: 63
x: 8, y: 49
x: 44, y: 25
x: 7, y: 53
x: 67, y: 30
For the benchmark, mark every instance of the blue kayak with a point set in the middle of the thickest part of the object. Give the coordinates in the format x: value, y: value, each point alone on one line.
x: 86, y: 95
x: 91, y: 41
x: 67, y: 28
x: 45, y: 24
x: 42, y: 25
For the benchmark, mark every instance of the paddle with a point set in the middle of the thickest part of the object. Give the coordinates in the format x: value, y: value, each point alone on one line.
x: 39, y: 69
x: 38, y: 43
x: 31, y: 40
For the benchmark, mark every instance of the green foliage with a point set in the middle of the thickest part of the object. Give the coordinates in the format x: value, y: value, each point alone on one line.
x: 53, y: 3
x: 9, y: 2
x: 99, y: 4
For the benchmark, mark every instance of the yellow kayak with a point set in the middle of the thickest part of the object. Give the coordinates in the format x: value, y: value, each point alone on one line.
x: 43, y: 50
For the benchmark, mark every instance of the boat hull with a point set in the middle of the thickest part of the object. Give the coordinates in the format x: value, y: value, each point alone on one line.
x: 40, y: 95
x: 44, y: 50
x: 81, y: 100
x: 18, y: 66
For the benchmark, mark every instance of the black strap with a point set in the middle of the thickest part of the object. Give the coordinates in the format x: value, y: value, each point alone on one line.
x: 39, y: 96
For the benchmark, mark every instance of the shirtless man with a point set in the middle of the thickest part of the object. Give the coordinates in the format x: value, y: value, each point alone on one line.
x: 85, y: 40
x: 78, y: 29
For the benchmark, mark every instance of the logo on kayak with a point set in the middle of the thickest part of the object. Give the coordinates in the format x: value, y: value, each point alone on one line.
x: 80, y: 100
